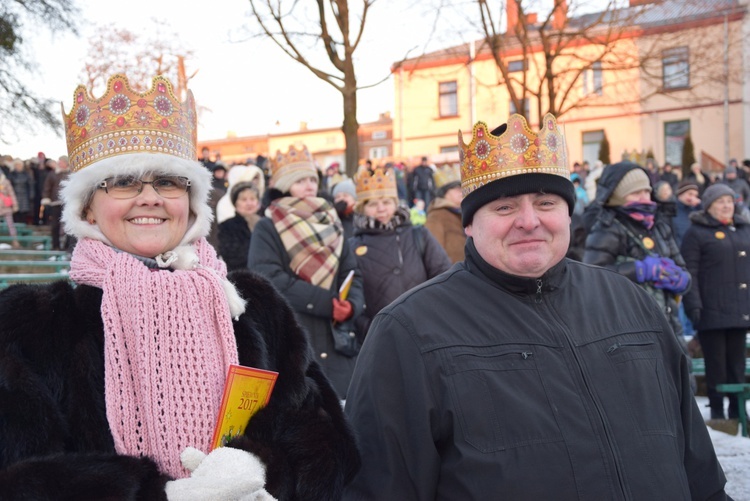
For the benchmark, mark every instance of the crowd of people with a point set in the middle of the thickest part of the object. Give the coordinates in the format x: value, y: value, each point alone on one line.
x: 421, y: 320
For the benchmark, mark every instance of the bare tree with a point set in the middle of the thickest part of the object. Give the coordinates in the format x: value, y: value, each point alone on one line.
x: 117, y: 50
x: 563, y: 44
x: 305, y: 34
x: 22, y: 109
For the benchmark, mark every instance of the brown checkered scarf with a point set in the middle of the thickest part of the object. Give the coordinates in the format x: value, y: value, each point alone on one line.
x: 313, y: 236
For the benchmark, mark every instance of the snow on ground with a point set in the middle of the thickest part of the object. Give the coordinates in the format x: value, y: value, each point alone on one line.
x: 734, y: 455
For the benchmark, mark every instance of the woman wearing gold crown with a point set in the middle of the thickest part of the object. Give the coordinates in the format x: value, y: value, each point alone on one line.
x: 111, y: 389
x: 300, y: 247
x: 392, y: 255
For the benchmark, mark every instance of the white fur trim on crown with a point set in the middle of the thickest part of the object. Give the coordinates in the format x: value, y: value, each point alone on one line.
x: 77, y: 190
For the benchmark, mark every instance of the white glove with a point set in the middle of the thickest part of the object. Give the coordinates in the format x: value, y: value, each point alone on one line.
x: 46, y: 201
x: 225, y: 474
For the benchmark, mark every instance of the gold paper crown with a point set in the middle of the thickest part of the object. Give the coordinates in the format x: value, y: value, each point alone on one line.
x: 379, y: 184
x: 125, y: 121
x: 518, y: 150
x: 447, y: 174
x: 293, y: 160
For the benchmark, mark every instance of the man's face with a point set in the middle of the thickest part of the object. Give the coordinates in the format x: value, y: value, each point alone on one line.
x: 689, y: 198
x: 525, y: 235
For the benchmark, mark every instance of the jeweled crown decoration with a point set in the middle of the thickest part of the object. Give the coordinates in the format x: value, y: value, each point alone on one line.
x: 125, y: 121
x: 518, y: 150
x: 294, y: 159
x: 376, y: 185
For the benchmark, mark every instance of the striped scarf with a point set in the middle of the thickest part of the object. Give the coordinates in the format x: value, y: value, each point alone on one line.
x: 312, y: 235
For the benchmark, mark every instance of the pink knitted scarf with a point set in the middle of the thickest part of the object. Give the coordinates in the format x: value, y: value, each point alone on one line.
x: 168, y: 344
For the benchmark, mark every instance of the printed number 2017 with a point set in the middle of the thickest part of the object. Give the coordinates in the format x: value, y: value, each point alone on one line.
x: 247, y: 404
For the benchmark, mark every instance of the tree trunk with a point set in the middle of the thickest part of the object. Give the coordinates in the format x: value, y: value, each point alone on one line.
x: 351, y: 129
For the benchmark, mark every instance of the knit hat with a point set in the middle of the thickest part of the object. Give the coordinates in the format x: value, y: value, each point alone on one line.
x: 106, y: 144
x: 635, y: 180
x: 288, y: 168
x: 730, y: 169
x: 686, y: 185
x: 513, y: 160
x: 345, y: 186
x: 715, y: 191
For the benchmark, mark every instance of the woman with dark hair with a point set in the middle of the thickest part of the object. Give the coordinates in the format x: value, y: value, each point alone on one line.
x: 235, y: 232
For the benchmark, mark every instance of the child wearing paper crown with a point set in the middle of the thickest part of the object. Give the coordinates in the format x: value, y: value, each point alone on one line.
x: 111, y: 389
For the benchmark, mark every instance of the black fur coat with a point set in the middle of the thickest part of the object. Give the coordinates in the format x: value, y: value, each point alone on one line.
x: 55, y: 442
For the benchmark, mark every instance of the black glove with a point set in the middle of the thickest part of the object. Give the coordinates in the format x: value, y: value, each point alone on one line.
x: 694, y: 315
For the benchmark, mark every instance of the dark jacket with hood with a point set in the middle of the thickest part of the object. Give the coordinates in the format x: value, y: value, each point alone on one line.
x: 482, y: 385
x: 718, y: 257
x: 392, y: 261
x: 616, y: 241
x: 55, y: 438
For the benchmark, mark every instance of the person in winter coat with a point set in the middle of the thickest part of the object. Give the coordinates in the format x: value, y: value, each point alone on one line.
x: 444, y: 219
x: 23, y: 184
x: 489, y: 382
x: 8, y: 206
x: 688, y: 201
x: 235, y: 233
x: 111, y: 389
x: 51, y: 198
x: 629, y: 237
x: 300, y: 247
x: 344, y: 198
x: 716, y: 249
x: 392, y: 255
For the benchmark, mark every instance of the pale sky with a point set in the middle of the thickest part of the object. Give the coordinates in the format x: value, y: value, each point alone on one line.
x: 248, y: 86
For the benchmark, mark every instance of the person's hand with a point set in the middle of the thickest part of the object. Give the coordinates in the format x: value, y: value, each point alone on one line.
x: 342, y: 310
x: 694, y: 315
x: 226, y: 473
x: 673, y: 277
x: 649, y: 269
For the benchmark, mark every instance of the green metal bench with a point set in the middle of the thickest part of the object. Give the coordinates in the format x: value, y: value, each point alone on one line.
x: 742, y: 391
x: 21, y: 230
x: 34, y: 254
x: 29, y: 263
x: 7, y: 279
x: 699, y: 367
x: 44, y: 240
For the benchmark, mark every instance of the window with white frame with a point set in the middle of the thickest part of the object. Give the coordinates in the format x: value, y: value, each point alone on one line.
x: 592, y: 143
x: 379, y: 134
x: 378, y: 152
x: 676, y: 68
x: 448, y: 99
x: 592, y: 79
x: 674, y: 140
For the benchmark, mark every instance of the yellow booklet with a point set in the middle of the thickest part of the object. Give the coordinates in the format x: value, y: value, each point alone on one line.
x: 246, y: 391
x: 346, y: 285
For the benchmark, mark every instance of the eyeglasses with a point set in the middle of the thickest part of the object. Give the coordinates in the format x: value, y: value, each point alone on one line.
x: 123, y: 187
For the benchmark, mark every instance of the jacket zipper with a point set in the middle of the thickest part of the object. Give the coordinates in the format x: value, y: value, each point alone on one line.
x: 608, y: 434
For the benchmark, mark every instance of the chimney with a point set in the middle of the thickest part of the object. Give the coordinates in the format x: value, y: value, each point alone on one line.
x: 560, y: 14
x: 511, y: 10
x: 303, y: 126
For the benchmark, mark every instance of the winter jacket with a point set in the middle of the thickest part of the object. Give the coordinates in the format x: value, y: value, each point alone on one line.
x: 681, y: 220
x: 741, y: 189
x: 616, y: 241
x: 482, y: 385
x: 444, y: 222
x: 23, y: 185
x: 51, y: 189
x: 718, y: 258
x: 234, y: 241
x: 422, y: 179
x: 55, y: 438
x: 6, y: 190
x: 312, y: 305
x: 392, y: 262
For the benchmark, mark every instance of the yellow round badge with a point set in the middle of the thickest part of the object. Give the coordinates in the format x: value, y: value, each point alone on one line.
x: 720, y: 235
x: 361, y: 250
x: 648, y: 243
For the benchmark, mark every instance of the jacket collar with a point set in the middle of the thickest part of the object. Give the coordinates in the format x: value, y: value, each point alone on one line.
x: 551, y: 280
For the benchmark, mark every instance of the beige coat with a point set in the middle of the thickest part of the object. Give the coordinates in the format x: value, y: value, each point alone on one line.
x: 445, y: 225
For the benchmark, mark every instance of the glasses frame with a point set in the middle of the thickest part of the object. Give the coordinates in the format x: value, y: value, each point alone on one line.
x: 103, y: 186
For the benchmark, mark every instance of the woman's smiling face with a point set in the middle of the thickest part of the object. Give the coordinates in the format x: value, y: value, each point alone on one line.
x: 146, y: 225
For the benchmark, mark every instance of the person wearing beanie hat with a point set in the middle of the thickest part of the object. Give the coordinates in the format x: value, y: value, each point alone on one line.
x: 113, y: 386
x: 492, y: 367
x: 738, y: 185
x: 344, y: 197
x: 715, y: 248
x: 393, y: 255
x: 235, y: 233
x: 631, y: 237
x: 688, y: 201
x: 444, y: 214
x: 300, y: 246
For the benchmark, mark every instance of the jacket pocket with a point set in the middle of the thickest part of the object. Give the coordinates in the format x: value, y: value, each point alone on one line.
x: 639, y: 369
x: 499, y: 398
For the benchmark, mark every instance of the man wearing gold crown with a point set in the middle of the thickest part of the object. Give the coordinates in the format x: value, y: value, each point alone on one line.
x: 112, y: 389
x: 519, y: 374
